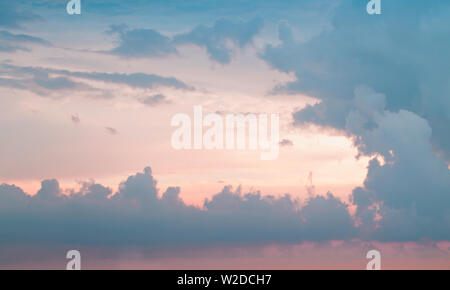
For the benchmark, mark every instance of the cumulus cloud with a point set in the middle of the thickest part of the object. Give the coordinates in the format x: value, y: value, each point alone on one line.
x: 405, y: 195
x: 137, y: 215
x: 410, y: 190
x: 397, y: 117
x: 400, y: 53
x: 219, y: 40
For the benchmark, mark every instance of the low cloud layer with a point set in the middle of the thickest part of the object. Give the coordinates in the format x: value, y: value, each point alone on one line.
x: 137, y: 215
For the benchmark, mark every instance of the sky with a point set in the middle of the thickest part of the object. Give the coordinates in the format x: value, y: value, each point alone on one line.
x: 87, y: 160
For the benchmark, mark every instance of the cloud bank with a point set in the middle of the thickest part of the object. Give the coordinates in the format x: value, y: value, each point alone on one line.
x: 137, y: 215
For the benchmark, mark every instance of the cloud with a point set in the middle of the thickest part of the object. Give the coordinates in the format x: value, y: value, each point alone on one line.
x: 141, y: 42
x: 412, y: 187
x: 43, y: 81
x: 38, y: 80
x: 111, y: 131
x: 220, y: 40
x: 286, y: 143
x: 325, y: 217
x: 137, y: 215
x: 75, y: 119
x: 154, y: 100
x: 217, y: 39
x: 400, y: 53
x: 388, y: 90
x: 12, y: 16
x: 409, y: 187
x: 135, y: 80
x: 400, y: 119
x: 10, y: 42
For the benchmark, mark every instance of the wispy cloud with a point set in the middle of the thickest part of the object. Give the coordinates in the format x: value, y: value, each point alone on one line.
x: 75, y: 119
x: 155, y: 100
x: 216, y: 39
x: 10, y: 42
x: 286, y: 143
x: 43, y: 81
x: 111, y: 131
x: 12, y: 15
